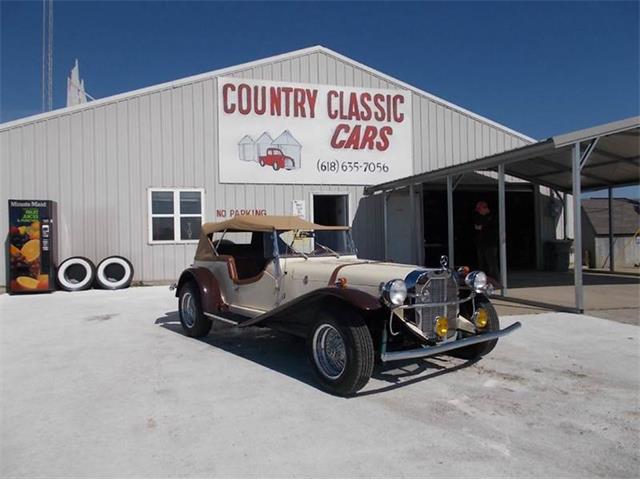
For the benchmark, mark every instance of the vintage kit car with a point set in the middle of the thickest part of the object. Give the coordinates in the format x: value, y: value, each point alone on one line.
x: 305, y: 279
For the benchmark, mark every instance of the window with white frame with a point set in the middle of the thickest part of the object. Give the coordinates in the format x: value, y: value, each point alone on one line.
x: 175, y: 214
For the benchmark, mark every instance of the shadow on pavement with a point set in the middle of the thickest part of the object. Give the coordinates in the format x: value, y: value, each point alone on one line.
x: 286, y: 354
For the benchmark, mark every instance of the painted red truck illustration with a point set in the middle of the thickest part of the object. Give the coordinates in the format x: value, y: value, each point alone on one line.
x: 276, y: 159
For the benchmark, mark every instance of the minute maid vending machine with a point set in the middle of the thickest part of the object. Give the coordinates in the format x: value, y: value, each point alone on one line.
x: 32, y: 246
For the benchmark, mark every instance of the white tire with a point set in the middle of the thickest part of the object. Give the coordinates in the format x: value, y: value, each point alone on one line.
x: 75, y: 274
x: 114, y: 273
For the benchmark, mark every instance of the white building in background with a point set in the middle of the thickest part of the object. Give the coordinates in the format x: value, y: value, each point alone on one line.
x: 114, y: 164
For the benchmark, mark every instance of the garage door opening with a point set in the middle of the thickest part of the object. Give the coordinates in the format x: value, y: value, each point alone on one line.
x: 520, y: 221
x: 331, y: 209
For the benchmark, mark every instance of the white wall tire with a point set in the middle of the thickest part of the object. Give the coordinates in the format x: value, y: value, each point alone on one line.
x: 114, y: 273
x: 75, y: 274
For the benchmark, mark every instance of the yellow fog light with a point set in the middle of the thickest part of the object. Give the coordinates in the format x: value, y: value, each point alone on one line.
x: 442, y: 326
x: 482, y: 318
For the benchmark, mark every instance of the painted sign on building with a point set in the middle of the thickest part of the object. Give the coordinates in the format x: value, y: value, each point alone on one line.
x: 283, y: 132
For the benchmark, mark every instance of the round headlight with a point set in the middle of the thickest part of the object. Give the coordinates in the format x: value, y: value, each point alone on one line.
x: 395, y: 292
x: 478, y: 281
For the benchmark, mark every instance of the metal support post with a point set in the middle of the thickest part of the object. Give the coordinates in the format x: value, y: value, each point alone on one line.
x: 450, y: 220
x: 414, y: 218
x: 385, y: 199
x: 502, y: 229
x: 611, y: 260
x: 577, y: 230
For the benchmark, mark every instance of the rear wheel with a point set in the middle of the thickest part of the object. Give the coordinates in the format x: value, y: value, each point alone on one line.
x: 275, y: 166
x: 341, y: 352
x: 481, y: 349
x: 194, y: 323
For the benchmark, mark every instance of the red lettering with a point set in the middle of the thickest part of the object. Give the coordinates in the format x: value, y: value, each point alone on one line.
x: 333, y: 114
x: 298, y: 103
x: 397, y: 115
x: 353, y: 141
x: 365, y: 100
x: 335, y: 143
x: 276, y: 106
x: 354, y: 111
x: 369, y: 135
x: 312, y: 96
x: 383, y: 143
x: 378, y: 100
x: 228, y: 107
x: 287, y: 100
x: 244, y: 98
x: 260, y: 99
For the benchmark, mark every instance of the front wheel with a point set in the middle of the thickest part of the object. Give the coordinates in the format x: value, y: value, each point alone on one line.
x: 481, y: 349
x: 194, y: 323
x: 341, y: 352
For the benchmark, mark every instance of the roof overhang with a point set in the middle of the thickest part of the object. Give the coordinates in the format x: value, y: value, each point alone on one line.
x: 614, y: 160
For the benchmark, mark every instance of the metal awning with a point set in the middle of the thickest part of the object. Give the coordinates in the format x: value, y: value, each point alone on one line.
x: 604, y: 156
x: 613, y: 160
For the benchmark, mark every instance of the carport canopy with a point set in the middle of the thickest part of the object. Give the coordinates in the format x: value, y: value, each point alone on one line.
x: 605, y: 156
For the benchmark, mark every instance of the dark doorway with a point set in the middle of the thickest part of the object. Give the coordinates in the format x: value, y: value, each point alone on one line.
x: 331, y: 209
x: 520, y: 223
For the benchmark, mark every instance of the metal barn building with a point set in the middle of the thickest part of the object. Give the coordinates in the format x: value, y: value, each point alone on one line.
x: 135, y: 174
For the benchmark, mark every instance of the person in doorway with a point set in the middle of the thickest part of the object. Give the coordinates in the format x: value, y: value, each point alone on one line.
x: 486, y: 238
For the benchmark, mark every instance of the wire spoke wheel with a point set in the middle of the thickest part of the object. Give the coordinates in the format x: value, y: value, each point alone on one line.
x: 188, y: 307
x: 329, y: 351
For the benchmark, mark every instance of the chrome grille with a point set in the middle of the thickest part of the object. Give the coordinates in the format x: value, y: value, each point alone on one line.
x: 435, y: 287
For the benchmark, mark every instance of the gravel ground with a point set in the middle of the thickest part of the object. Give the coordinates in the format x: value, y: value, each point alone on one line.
x: 103, y: 384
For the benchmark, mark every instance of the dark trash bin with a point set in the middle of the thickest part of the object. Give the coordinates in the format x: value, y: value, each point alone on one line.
x: 556, y: 255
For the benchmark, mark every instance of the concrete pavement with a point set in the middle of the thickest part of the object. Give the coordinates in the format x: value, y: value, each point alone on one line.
x: 103, y: 383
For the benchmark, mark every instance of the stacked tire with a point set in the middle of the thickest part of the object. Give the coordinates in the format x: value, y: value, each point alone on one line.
x: 79, y: 273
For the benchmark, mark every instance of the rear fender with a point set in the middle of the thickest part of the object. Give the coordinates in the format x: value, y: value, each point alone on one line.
x: 210, y: 296
x: 296, y: 316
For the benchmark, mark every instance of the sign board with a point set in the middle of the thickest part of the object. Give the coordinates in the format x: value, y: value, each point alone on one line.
x: 298, y: 208
x: 284, y: 132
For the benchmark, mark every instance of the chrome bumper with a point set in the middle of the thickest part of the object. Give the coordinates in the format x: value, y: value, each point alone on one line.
x: 438, y: 349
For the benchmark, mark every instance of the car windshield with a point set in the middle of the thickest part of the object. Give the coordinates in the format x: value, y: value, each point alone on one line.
x: 316, y: 244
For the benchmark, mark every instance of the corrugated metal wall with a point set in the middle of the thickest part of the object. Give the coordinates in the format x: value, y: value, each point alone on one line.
x: 97, y: 162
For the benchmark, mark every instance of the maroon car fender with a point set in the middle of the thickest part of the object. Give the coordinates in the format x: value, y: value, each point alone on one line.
x: 210, y: 296
x: 289, y: 314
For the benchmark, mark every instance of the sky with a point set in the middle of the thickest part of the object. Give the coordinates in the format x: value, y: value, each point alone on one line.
x: 541, y: 68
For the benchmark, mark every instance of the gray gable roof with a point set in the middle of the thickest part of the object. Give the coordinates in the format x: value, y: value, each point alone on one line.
x: 626, y: 215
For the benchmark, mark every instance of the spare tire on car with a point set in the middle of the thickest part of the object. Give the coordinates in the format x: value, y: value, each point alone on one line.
x: 75, y: 274
x: 114, y: 273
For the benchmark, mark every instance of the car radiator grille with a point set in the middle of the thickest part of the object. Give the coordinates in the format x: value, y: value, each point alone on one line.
x: 436, y: 288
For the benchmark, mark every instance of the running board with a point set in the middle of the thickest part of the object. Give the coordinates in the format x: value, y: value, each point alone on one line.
x: 227, y: 319
x: 430, y: 351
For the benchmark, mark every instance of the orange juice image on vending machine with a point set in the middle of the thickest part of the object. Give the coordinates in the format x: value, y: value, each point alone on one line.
x: 31, y: 246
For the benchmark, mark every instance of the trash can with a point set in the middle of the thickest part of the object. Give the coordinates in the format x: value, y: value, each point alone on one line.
x: 556, y: 255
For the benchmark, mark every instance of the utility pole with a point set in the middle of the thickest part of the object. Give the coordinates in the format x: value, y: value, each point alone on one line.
x: 47, y: 55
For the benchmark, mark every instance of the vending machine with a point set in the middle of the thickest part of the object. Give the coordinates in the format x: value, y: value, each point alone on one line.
x: 32, y: 246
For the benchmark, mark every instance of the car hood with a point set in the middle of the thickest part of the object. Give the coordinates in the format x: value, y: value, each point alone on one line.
x: 364, y: 274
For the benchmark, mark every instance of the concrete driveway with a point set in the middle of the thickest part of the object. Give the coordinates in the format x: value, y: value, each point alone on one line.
x: 103, y: 384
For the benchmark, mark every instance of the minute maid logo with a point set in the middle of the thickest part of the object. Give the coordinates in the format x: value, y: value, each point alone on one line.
x: 283, y: 153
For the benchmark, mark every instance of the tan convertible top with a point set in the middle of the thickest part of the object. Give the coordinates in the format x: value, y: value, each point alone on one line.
x: 265, y: 223
x: 255, y: 223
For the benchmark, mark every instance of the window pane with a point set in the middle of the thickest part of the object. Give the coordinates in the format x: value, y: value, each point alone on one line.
x: 190, y: 202
x: 162, y: 228
x: 190, y: 228
x: 161, y: 202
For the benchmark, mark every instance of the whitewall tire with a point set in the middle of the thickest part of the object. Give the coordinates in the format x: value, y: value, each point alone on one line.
x: 114, y: 273
x: 75, y: 274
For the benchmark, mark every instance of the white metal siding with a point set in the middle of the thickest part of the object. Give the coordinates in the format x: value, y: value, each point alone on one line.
x: 98, y: 161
